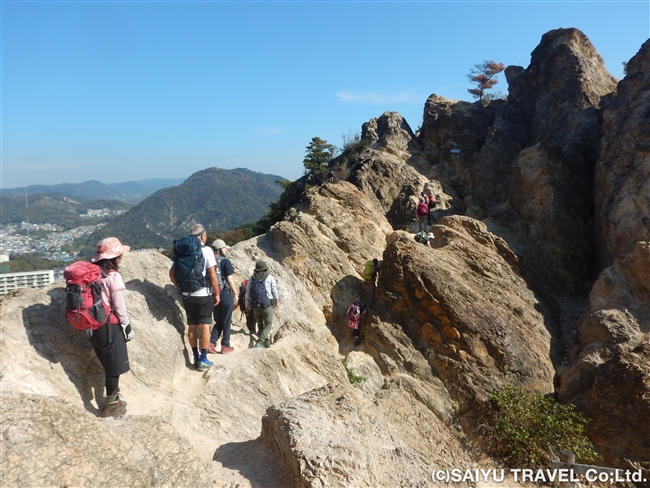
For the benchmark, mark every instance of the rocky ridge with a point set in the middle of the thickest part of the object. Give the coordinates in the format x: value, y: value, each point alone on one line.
x: 539, y: 215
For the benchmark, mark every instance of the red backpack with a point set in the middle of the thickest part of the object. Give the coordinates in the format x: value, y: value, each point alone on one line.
x: 423, y: 210
x: 354, y: 312
x: 85, y: 306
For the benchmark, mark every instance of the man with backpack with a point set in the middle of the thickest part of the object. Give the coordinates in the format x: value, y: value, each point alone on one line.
x: 262, y: 297
x: 223, y: 311
x: 193, y: 272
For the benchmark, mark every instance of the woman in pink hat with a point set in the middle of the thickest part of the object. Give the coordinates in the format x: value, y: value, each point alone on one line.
x: 109, y: 341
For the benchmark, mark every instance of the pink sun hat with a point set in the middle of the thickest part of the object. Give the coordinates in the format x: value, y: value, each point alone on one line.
x: 109, y: 248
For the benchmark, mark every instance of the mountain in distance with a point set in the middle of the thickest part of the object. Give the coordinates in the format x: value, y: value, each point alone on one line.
x: 130, y: 191
x: 220, y: 199
x: 53, y: 208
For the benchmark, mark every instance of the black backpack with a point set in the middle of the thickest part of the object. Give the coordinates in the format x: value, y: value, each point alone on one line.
x: 259, y: 299
x: 223, y: 283
x: 189, y: 264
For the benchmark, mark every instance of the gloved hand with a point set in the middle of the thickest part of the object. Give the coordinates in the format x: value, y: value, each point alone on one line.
x: 89, y: 332
x: 128, y: 332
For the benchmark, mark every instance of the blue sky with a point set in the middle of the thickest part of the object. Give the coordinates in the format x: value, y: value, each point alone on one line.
x: 119, y: 91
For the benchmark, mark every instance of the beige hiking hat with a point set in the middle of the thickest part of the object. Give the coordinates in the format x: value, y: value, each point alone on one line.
x: 219, y: 244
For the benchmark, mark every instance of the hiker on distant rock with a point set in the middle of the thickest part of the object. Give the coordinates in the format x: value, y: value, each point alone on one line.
x: 355, y: 311
x: 193, y: 272
x: 262, y: 297
x: 223, y: 311
x: 371, y: 271
x: 424, y: 238
x: 109, y: 340
x: 431, y: 203
x: 422, y: 213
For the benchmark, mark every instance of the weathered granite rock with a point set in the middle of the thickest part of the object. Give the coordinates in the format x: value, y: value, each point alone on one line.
x: 559, y: 95
x: 608, y: 372
x: 554, y: 205
x: 465, y: 309
x: 47, y: 441
x: 622, y: 180
x: 560, y: 91
x: 360, y: 440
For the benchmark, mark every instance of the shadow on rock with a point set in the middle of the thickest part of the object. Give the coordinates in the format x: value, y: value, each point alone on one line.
x: 257, y: 461
x: 54, y: 339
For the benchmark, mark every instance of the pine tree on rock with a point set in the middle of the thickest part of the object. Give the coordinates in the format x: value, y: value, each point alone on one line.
x: 319, y: 153
x: 484, y: 76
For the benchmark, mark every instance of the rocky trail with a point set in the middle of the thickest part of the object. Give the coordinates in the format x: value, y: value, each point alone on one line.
x: 515, y: 291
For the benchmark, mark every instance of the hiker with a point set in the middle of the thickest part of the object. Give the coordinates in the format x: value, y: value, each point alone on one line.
x: 262, y: 298
x: 250, y: 316
x: 354, y: 319
x: 196, y: 286
x: 371, y: 271
x: 431, y: 203
x: 422, y: 213
x: 424, y: 238
x: 109, y: 340
x: 223, y: 312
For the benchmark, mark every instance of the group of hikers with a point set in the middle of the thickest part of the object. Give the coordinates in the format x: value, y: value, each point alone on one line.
x: 205, y: 281
x: 96, y: 304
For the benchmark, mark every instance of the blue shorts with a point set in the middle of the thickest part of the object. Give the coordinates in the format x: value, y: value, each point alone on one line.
x: 198, y: 310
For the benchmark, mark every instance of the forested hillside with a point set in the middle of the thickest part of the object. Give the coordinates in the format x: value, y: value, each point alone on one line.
x: 218, y: 198
x: 130, y: 191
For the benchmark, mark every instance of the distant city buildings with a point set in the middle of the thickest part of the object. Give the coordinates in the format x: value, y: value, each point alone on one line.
x: 49, y: 247
x: 102, y: 212
x: 34, y: 279
x: 46, y: 240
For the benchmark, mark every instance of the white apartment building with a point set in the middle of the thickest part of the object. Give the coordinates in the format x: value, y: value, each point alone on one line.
x: 34, y: 279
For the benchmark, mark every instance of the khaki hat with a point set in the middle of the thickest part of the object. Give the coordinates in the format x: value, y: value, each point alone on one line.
x: 219, y: 244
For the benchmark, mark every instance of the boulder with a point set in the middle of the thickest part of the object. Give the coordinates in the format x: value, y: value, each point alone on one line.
x: 465, y: 312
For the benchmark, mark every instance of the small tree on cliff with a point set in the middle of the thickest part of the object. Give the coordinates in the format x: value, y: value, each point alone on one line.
x: 319, y: 153
x: 484, y: 76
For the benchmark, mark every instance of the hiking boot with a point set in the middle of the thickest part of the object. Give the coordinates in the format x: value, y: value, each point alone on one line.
x: 204, y: 365
x: 258, y: 344
x: 267, y: 343
x: 226, y: 349
x: 113, y: 409
x: 357, y: 342
x: 212, y: 349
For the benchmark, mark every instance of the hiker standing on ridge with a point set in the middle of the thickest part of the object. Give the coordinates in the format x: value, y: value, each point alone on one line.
x: 262, y: 297
x: 193, y: 273
x: 422, y: 213
x: 431, y: 203
x: 223, y: 311
x: 109, y: 340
